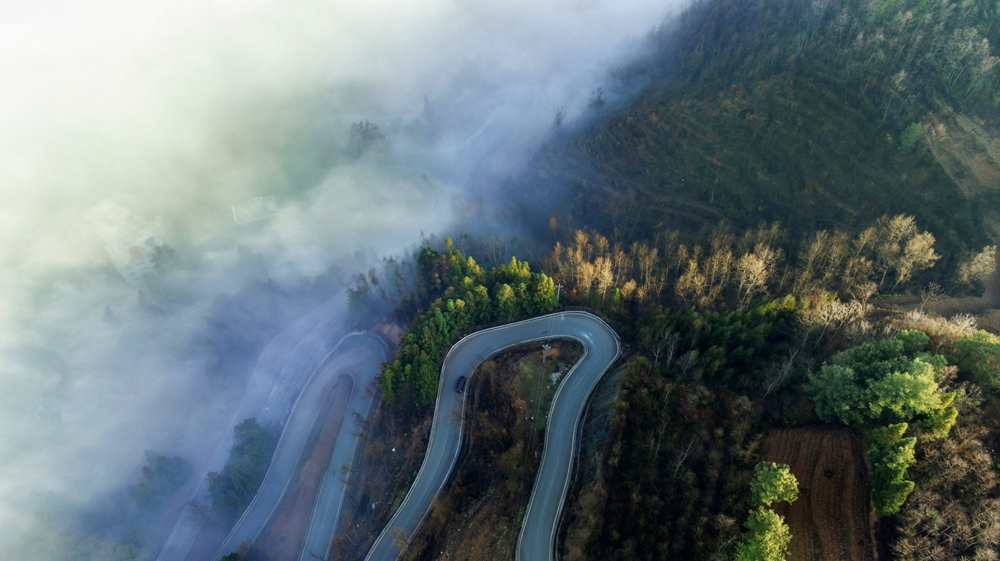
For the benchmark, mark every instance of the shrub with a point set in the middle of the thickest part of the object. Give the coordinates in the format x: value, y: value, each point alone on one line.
x: 979, y: 355
x: 891, y: 456
x: 766, y: 538
x: 910, y: 136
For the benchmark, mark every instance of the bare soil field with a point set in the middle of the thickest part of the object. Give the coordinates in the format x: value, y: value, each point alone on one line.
x: 284, y: 533
x: 832, y: 519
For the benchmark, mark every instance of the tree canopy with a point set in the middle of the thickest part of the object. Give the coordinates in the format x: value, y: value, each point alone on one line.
x: 880, y: 387
x: 773, y: 483
x: 161, y: 476
x: 886, y: 381
x: 462, y: 294
x: 979, y: 355
x: 766, y: 538
x: 890, y: 455
x: 235, y: 486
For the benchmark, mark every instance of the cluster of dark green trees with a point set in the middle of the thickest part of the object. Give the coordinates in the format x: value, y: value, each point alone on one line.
x: 461, y: 294
x: 235, y: 486
x: 899, y: 54
x: 161, y: 477
x: 686, y: 429
x: 721, y: 346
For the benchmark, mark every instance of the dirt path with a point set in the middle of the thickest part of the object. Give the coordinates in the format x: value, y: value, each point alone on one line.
x: 284, y: 533
x: 832, y: 520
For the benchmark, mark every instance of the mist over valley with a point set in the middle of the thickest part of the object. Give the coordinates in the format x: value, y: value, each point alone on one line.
x: 741, y: 255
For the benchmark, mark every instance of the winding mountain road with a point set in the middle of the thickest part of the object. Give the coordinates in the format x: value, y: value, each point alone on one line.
x: 281, y: 371
x: 538, y: 531
x: 308, y: 354
x: 359, y: 356
x: 330, y: 498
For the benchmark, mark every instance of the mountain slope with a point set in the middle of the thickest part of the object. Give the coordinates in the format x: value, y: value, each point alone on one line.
x: 822, y: 114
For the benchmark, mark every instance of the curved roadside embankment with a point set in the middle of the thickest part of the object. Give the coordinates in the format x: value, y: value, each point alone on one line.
x: 358, y: 355
x: 538, y: 531
x: 284, y: 534
x: 279, y: 373
x: 329, y: 501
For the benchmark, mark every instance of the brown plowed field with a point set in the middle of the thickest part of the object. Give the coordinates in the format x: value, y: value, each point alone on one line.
x: 285, y: 532
x: 832, y: 520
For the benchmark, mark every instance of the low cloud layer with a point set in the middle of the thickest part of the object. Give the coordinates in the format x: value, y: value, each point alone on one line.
x: 178, y: 110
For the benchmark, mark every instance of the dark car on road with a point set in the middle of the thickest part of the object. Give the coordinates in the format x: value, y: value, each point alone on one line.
x: 460, y: 386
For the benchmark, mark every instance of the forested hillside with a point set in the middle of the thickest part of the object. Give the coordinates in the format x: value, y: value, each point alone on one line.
x: 771, y: 169
x: 819, y: 114
x: 774, y: 207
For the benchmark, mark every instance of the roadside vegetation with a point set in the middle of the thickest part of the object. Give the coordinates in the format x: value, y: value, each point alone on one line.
x: 232, y: 489
x: 450, y: 295
x: 479, y: 514
x: 462, y: 294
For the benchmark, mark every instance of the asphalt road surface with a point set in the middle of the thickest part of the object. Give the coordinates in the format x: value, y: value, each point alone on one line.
x: 280, y: 373
x: 330, y: 498
x: 541, y: 519
x: 358, y: 355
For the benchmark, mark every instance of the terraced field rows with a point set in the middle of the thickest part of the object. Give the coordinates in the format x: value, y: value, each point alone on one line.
x: 832, y: 520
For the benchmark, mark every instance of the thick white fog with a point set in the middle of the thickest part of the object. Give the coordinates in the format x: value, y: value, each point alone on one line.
x: 167, y: 114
